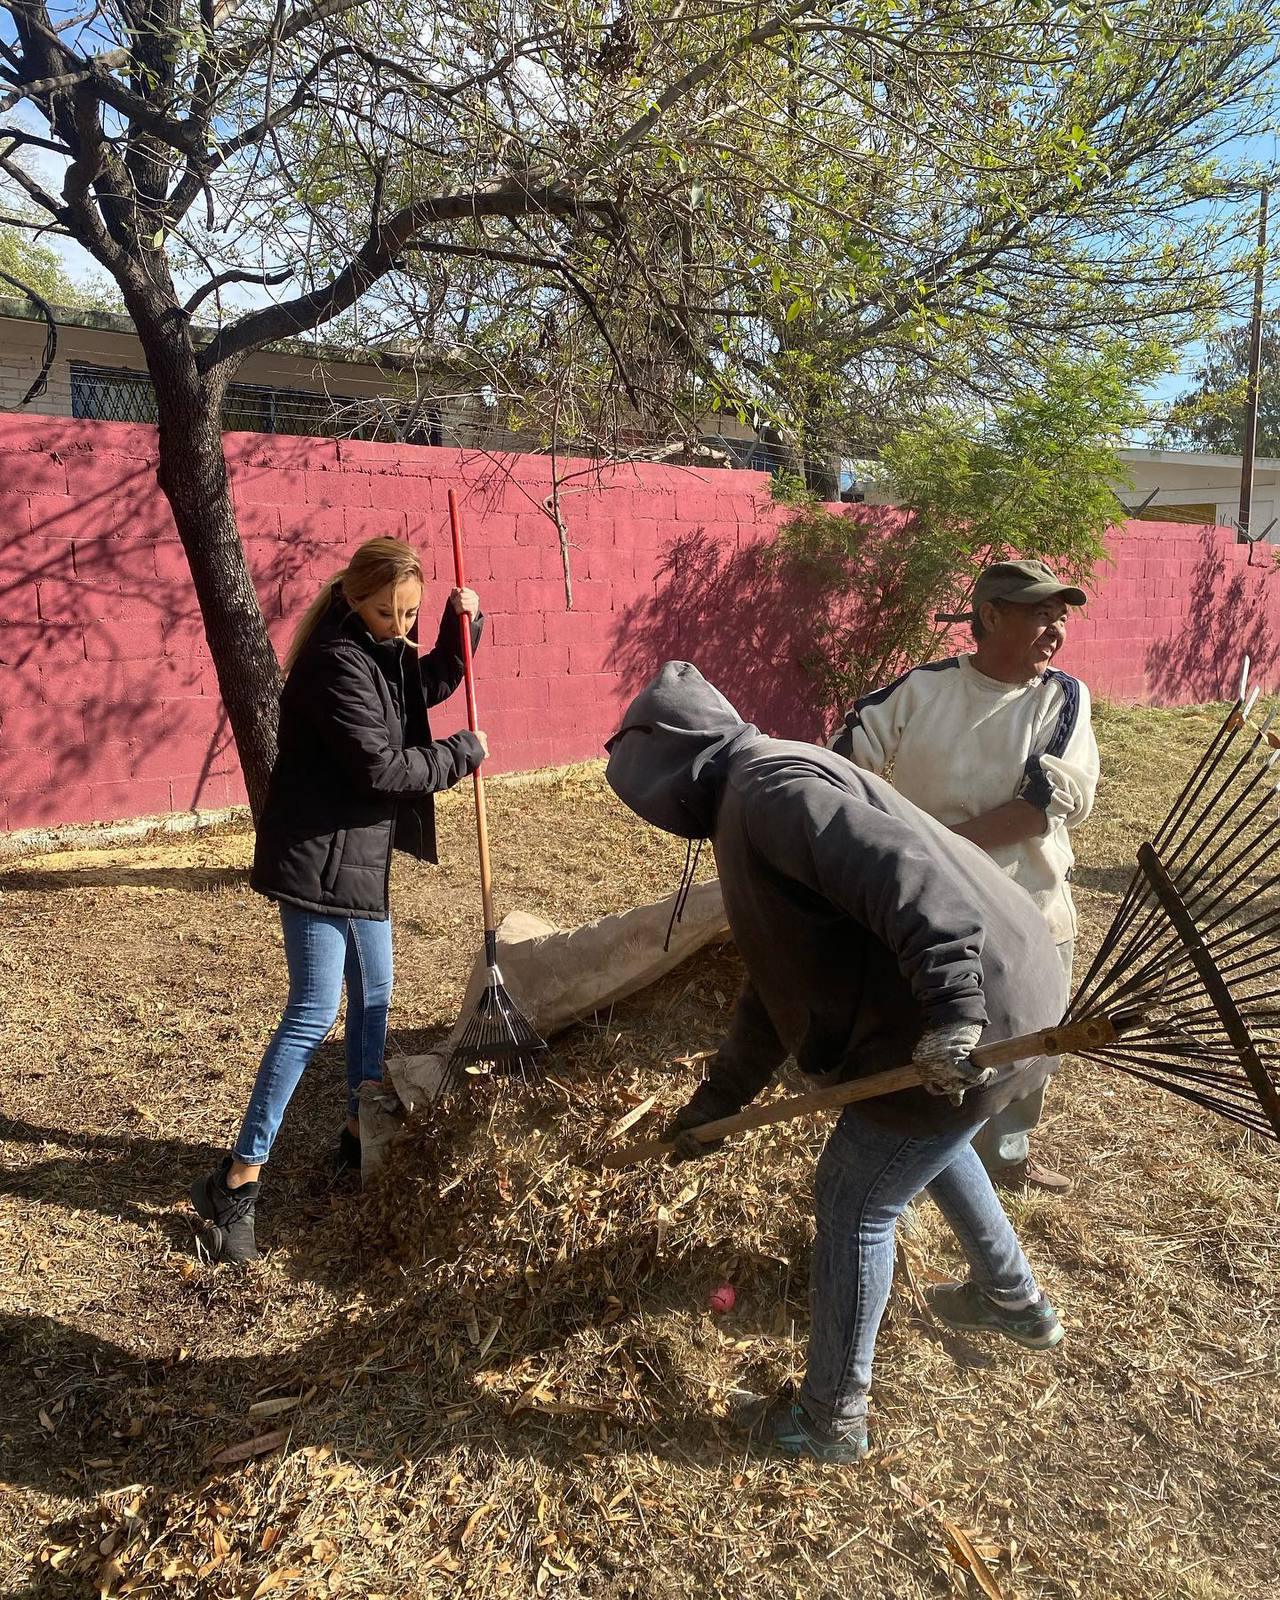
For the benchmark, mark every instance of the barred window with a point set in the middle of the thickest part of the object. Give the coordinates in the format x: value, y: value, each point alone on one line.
x: 111, y: 394
x: 120, y: 394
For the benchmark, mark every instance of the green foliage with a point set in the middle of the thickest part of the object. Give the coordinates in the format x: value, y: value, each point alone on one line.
x: 788, y: 489
x: 41, y: 269
x: 1038, y: 480
x: 1210, y: 414
x: 827, y: 221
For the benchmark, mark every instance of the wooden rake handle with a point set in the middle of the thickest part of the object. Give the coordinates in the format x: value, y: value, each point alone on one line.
x: 1089, y: 1034
x: 473, y: 722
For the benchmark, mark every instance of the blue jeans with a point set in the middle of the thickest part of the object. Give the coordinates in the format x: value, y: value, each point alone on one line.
x: 866, y: 1176
x: 320, y: 952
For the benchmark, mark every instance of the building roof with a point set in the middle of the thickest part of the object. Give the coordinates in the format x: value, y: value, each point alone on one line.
x: 24, y: 310
x: 1194, y: 458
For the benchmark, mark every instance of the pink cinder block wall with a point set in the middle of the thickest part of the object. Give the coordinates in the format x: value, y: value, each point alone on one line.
x: 109, y: 705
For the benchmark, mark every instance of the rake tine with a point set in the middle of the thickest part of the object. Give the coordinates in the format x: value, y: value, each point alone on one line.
x: 1088, y: 993
x: 1102, y: 993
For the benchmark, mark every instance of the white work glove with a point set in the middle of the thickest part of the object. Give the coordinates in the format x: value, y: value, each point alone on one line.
x: 943, y: 1058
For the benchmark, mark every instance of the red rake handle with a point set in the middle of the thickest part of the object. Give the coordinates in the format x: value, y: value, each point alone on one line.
x: 460, y: 578
x: 469, y: 678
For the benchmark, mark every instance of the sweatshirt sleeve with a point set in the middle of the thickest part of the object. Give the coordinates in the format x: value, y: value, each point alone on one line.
x: 870, y: 733
x: 344, y: 707
x: 441, y: 667
x: 1061, y: 774
x: 747, y: 1059
x: 892, y: 878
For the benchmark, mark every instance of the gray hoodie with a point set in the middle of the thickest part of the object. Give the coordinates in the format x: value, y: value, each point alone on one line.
x: 860, y: 920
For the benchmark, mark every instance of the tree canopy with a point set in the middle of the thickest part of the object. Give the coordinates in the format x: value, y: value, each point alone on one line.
x: 1210, y: 414
x: 819, y: 217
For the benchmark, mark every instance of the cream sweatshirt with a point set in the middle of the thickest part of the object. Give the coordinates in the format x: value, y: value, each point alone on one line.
x: 961, y: 744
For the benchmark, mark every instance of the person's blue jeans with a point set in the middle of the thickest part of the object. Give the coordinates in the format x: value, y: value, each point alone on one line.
x: 866, y: 1176
x: 320, y: 952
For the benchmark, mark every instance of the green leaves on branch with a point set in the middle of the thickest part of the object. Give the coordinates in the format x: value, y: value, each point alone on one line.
x: 1039, y: 479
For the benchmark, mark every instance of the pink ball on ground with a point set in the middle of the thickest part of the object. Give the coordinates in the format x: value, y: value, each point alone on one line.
x: 722, y: 1299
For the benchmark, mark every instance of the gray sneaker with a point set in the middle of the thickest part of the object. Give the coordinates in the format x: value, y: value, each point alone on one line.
x: 780, y: 1423
x: 964, y: 1305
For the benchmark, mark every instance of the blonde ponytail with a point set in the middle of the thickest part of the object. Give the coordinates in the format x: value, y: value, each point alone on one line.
x: 310, y: 617
x: 378, y: 564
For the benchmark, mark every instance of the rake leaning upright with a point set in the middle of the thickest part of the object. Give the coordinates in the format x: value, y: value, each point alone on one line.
x: 498, y: 1033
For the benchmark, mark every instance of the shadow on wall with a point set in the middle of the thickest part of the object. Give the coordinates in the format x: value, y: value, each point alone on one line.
x: 1226, y: 618
x: 730, y: 613
x: 111, y: 705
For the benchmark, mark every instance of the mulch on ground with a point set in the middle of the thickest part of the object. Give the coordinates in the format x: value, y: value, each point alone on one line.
x: 496, y: 1374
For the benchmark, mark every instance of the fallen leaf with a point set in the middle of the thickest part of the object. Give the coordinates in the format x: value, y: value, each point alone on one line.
x: 284, y: 1402
x: 273, y: 1580
x: 618, y: 1128
x: 966, y: 1554
x: 261, y: 1446
x: 474, y: 1520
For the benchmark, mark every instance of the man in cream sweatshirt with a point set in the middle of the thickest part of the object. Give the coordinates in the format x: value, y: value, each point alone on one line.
x: 998, y: 746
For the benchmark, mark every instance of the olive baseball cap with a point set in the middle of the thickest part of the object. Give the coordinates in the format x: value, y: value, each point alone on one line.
x: 1022, y: 583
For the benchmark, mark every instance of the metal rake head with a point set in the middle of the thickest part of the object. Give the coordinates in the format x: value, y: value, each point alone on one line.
x: 1195, y: 945
x: 498, y: 1035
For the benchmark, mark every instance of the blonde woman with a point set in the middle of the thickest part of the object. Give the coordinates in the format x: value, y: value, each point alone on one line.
x: 354, y: 777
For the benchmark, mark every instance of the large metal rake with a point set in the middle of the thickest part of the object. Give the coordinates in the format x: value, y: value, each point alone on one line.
x: 1185, y: 988
x: 498, y: 1035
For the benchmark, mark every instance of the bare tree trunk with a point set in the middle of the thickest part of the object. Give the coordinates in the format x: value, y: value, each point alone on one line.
x: 822, y: 476
x: 193, y: 476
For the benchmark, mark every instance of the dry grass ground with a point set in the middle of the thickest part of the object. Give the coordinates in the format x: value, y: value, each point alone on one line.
x: 497, y: 1375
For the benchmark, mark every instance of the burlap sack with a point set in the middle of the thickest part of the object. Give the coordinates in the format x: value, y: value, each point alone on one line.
x: 557, y: 976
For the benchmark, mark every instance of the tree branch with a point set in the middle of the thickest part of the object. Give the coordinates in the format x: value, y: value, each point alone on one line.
x: 235, y: 275
x: 38, y: 88
x: 238, y: 60
x: 25, y: 181
x: 35, y: 227
x: 707, y: 68
x: 377, y: 257
x: 200, y: 170
x: 20, y: 136
x: 51, y: 336
x: 542, y: 263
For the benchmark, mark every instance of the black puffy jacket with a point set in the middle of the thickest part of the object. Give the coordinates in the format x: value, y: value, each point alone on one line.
x: 357, y: 766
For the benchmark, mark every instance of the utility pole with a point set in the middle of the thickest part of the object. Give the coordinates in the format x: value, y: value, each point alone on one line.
x: 1251, y: 392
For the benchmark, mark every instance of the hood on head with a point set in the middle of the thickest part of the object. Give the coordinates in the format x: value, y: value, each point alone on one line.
x: 667, y: 759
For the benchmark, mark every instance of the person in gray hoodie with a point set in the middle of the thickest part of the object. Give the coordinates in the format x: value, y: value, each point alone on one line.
x: 871, y: 935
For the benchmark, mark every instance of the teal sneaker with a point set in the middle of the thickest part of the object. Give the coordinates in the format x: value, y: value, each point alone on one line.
x: 780, y: 1423
x: 964, y: 1305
